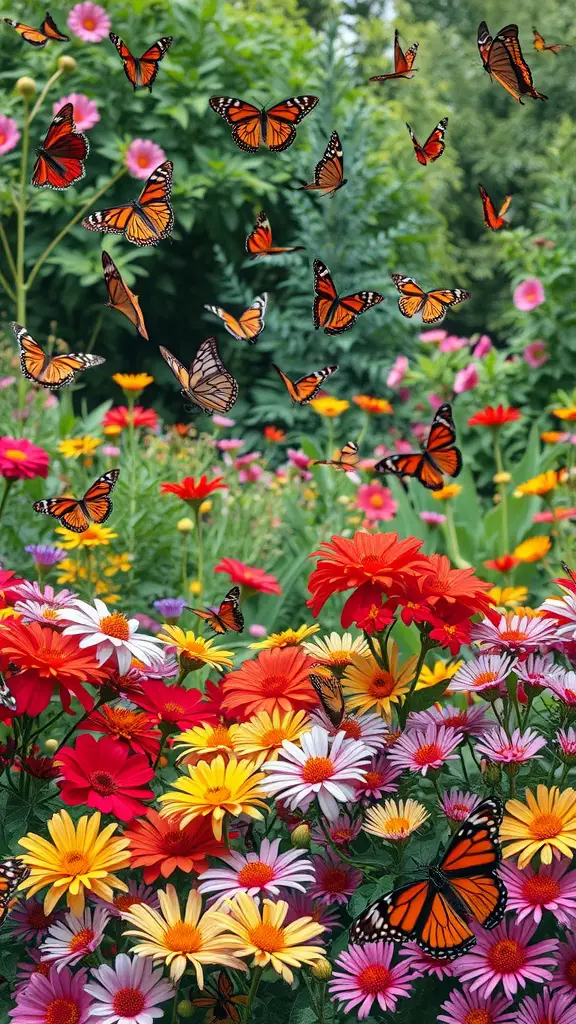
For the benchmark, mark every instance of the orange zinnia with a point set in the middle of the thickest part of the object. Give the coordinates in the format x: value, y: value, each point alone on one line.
x: 160, y: 846
x: 456, y: 585
x: 277, y: 679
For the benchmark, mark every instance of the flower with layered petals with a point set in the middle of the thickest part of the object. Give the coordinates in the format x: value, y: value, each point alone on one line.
x: 204, y: 742
x: 194, y: 492
x: 545, y: 825
x: 133, y: 382
x: 530, y: 892
x: 45, y: 555
x: 214, y: 789
x: 58, y: 997
x: 380, y: 778
x: 565, y: 976
x: 380, y: 406
x: 341, y: 831
x: 508, y: 597
x: 195, y: 650
x: 395, y: 820
x: 329, y: 406
x: 129, y: 992
x: 470, y: 721
x: 547, y: 1007
x: 159, y: 845
x: 487, y: 672
x: 9, y: 137
x: 376, y: 502
x: 252, y: 580
x: 514, y: 749
x: 372, y: 730
x: 133, y: 729
x: 136, y: 893
x: 79, y: 447
x: 494, y: 417
x: 504, y: 563
x: 506, y: 956
x: 21, y: 460
x: 365, y: 976
x: 336, y: 881
x: 277, y: 678
x: 420, y: 750
x: 528, y: 295
x: 368, y: 685
x: 89, y: 22
x: 335, y: 650
x: 262, y: 736
x: 120, y: 417
x: 104, y: 774
x: 274, y: 434
x: 171, y: 704
x: 466, y: 1007
x: 114, y: 637
x: 142, y: 157
x: 457, y: 806
x: 266, y: 871
x: 69, y: 941
x: 566, y: 740
x: 94, y: 537
x: 542, y: 484
x: 514, y: 634
x: 437, y: 673
x: 287, y: 638
x: 30, y: 923
x: 562, y: 612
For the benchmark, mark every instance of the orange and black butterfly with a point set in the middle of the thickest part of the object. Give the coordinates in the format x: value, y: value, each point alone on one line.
x: 494, y: 220
x: 434, y: 145
x: 402, y: 62
x: 464, y: 887
x: 440, y: 455
x: 50, y: 371
x: 329, y: 172
x: 252, y: 127
x: 305, y: 388
x: 207, y: 383
x: 540, y: 43
x: 12, y: 873
x: 503, y: 59
x: 346, y: 460
x: 329, y: 691
x: 336, y: 314
x: 222, y: 1002
x: 228, y: 616
x: 76, y: 514
x: 259, y: 241
x: 62, y: 154
x: 249, y: 325
x: 38, y: 37
x: 120, y: 296
x: 7, y: 698
x: 432, y: 305
x: 144, y: 221
x: 141, y: 71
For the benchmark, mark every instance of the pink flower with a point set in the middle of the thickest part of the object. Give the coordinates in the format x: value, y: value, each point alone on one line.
x: 565, y: 975
x: 536, y: 354
x: 230, y: 444
x: 129, y: 992
x: 44, y: 998
x: 529, y: 294
x: 256, y: 630
x: 470, y: 721
x: 566, y: 740
x: 468, y: 1007
x: 245, y: 460
x: 429, y: 337
x: 488, y: 672
x: 424, y: 964
x: 563, y: 686
x: 370, y: 728
x: 466, y: 379
x: 341, y: 831
x: 504, y: 956
x: 69, y: 941
x: 521, y: 747
x: 85, y: 110
x: 434, y: 400
x: 142, y: 157
x: 223, y: 421
x: 552, y: 887
x: 536, y: 670
x: 452, y: 343
x: 302, y: 905
x: 6, y: 382
x: 261, y: 873
x: 89, y: 22
x: 366, y: 976
x: 250, y: 474
x: 547, y: 1008
x: 298, y: 458
x: 482, y: 348
x: 398, y: 372
x: 110, y: 451
x: 514, y: 634
x: 9, y: 135
x: 336, y: 880
x: 21, y: 460
x: 29, y: 922
x: 432, y: 518
x: 376, y: 502
x: 458, y: 805
x: 380, y: 778
x: 419, y: 750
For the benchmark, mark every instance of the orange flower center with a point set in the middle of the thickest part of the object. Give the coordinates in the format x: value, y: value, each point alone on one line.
x: 397, y: 827
x: 484, y: 678
x: 2, y: 138
x: 53, y: 657
x: 428, y: 753
x: 374, y: 779
x: 317, y: 769
x: 540, y: 889
x: 381, y: 685
x: 123, y: 901
x: 183, y: 938
x: 128, y: 1002
x: 273, y: 738
x: 115, y: 625
x: 177, y: 842
x: 334, y: 880
x: 62, y: 1011
x: 143, y: 160
x: 506, y: 956
x: 173, y: 709
x: 74, y: 862
x: 546, y: 826
x: 104, y: 783
x: 81, y: 940
x: 274, y: 686
x: 49, y: 613
x: 42, y: 968
x: 376, y: 500
x: 371, y: 564
x: 570, y: 971
x: 16, y: 455
x: 514, y: 635
x: 255, y: 873
x: 342, y: 835
x: 218, y: 795
x: 374, y: 979
x: 89, y: 24
x: 352, y: 729
x: 478, y: 1017
x: 455, y: 720
x: 220, y: 737
x: 267, y: 937
x: 123, y: 722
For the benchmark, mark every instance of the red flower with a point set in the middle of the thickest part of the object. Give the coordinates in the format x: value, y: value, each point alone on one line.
x: 212, y: 704
x: 104, y: 774
x: 7, y: 582
x: 274, y: 434
x: 554, y: 515
x: 172, y: 704
x: 133, y: 728
x: 117, y: 419
x: 364, y: 607
x: 504, y: 563
x: 193, y: 492
x: 494, y: 417
x: 451, y: 630
x: 254, y: 580
x: 160, y: 845
x: 39, y: 767
x: 277, y: 678
x: 455, y: 586
x: 21, y: 460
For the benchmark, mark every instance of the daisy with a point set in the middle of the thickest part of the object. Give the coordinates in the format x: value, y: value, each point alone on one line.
x: 336, y: 881
x: 114, y: 636
x: 562, y: 612
x: 371, y: 729
x: 546, y: 826
x: 262, y: 736
x: 33, y: 611
x: 45, y: 999
x: 336, y: 649
x: 161, y: 846
x: 536, y: 669
x: 468, y: 1007
x: 74, y: 938
x: 504, y: 956
x: 424, y: 964
x: 487, y: 673
x: 470, y: 721
x: 25, y: 969
x: 29, y: 922
x: 205, y: 741
x: 514, y: 634
x: 302, y: 905
x: 551, y: 888
x: 369, y: 686
x: 557, y: 1008
x: 422, y: 749
x: 89, y: 22
x: 341, y: 831
x: 287, y: 638
x: 266, y: 871
x: 365, y: 976
x: 566, y: 740
x: 380, y: 778
x: 137, y: 893
x: 563, y: 686
x: 129, y: 992
x: 395, y: 820
x: 565, y: 976
x: 215, y: 789
x: 516, y: 749
x: 277, y: 678
x: 142, y: 157
x: 457, y: 806
x: 194, y: 651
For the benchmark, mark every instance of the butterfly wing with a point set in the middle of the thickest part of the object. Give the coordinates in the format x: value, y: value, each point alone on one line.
x: 178, y: 369
x: 280, y: 120
x: 305, y: 388
x: 492, y: 220
x: 112, y: 221
x: 51, y: 373
x: 144, y: 222
x: 347, y: 459
x: 441, y: 455
x: 68, y: 510
x: 397, y: 916
x: 402, y: 62
x: 324, y: 294
x: 539, y: 43
x: 470, y: 864
x: 329, y: 172
x: 141, y: 71
x: 438, y: 302
x: 96, y: 502
x: 412, y: 296
x: 210, y: 385
x: 35, y: 37
x: 120, y: 297
x: 61, y: 157
x: 12, y: 872
x: 334, y: 315
x: 330, y: 694
x: 228, y: 616
x: 7, y: 699
x: 259, y: 241
x: 249, y: 325
x: 509, y: 37
x: 498, y: 63
x: 244, y: 119
x: 435, y: 145
x: 51, y: 30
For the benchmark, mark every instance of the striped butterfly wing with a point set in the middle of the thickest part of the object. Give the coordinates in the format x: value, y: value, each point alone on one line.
x: 210, y: 385
x: 54, y: 372
x: 259, y: 241
x: 248, y: 326
x: 329, y: 172
x: 120, y: 297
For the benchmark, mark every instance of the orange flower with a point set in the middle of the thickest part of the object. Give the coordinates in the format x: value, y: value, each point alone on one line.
x: 274, y: 434
x: 277, y: 678
x: 160, y: 846
x: 117, y: 419
x: 375, y: 405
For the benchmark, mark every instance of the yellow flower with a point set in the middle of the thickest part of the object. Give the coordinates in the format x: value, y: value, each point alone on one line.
x: 93, y: 537
x: 508, y: 597
x: 546, y: 826
x: 336, y: 650
x: 541, y: 484
x: 205, y: 507
x: 207, y: 739
x: 552, y: 436
x: 437, y: 674
x: 288, y: 638
x: 118, y: 563
x: 8, y: 613
x: 196, y: 649
x: 195, y: 587
x: 74, y: 447
x: 215, y: 788
x: 395, y: 819
x: 446, y: 492
x: 185, y: 525
x: 327, y: 405
x: 370, y: 687
x: 502, y: 478
x: 133, y: 381
x: 261, y: 737
x: 530, y: 613
x: 565, y: 414
x: 70, y: 571
x: 194, y: 938
x: 77, y: 859
x: 375, y: 405
x: 533, y: 549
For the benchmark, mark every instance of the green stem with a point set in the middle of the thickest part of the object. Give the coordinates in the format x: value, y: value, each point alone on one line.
x: 175, y: 1016
x: 133, y: 475
x: 330, y: 429
x: 362, y: 433
x: 199, y: 547
x: 7, y: 485
x: 21, y: 220
x: 47, y: 725
x: 503, y: 491
x: 7, y: 288
x: 7, y: 250
x: 78, y: 723
x: 43, y: 94
x: 254, y: 985
x: 185, y: 546
x: 452, y: 538
x: 425, y: 645
x: 377, y: 658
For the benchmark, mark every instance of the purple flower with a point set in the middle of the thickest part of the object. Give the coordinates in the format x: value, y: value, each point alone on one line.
x: 45, y: 554
x: 466, y: 379
x: 45, y: 997
x: 536, y: 354
x: 89, y: 22
x: 9, y: 134
x: 142, y: 157
x: 366, y: 976
x: 529, y: 294
x: 170, y: 607
x: 257, y: 630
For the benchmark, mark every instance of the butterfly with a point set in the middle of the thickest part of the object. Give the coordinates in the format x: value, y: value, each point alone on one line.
x: 493, y: 220
x: 207, y: 383
x: 434, y: 145
x: 336, y: 315
x: 402, y: 62
x: 539, y: 43
x: 439, y: 456
x: 222, y: 1002
x: 144, y: 221
x: 228, y: 615
x: 259, y: 241
x: 305, y: 388
x: 38, y: 37
x: 249, y: 325
x: 329, y: 172
x: 77, y: 514
x: 12, y: 873
x: 7, y: 699
x: 432, y: 305
x: 120, y: 296
x: 330, y: 694
x: 62, y: 154
x: 346, y: 459
x: 50, y: 371
x: 252, y: 127
x: 141, y: 71
x: 503, y: 59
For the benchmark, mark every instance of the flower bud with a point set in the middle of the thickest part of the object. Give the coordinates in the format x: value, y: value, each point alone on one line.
x: 300, y: 837
x: 321, y: 969
x: 205, y: 507
x: 26, y: 87
x: 185, y: 525
x: 195, y: 587
x: 185, y: 1008
x: 492, y: 773
x: 502, y: 478
x: 67, y: 64
x: 51, y: 745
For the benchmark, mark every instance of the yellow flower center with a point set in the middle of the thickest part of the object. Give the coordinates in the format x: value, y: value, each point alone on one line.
x: 273, y: 737
x: 183, y: 938
x: 381, y: 685
x: 256, y: 873
x: 478, y: 1017
x: 428, y: 753
x: 74, y: 862
x: 374, y: 979
x: 49, y: 613
x: 397, y: 826
x: 218, y: 795
x: 15, y: 454
x: 267, y: 937
x: 174, y: 709
x: 115, y: 625
x: 220, y: 737
x: 506, y: 956
x: 317, y: 769
x: 80, y: 940
x: 62, y: 1011
x: 545, y: 826
x: 540, y: 890
x: 515, y: 635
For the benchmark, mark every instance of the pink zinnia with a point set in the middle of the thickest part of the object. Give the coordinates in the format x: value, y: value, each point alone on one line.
x: 436, y: 334
x: 376, y: 502
x: 552, y: 887
x: 366, y: 976
x: 482, y: 348
x: 261, y: 873
x: 536, y: 354
x: 9, y: 136
x: 336, y: 881
x: 504, y: 956
x: 432, y: 518
x: 85, y: 110
x: 398, y: 372
x: 528, y: 295
x: 45, y: 998
x: 452, y: 343
x: 458, y: 805
x: 230, y: 444
x: 223, y: 421
x: 519, y: 747
x: 420, y: 750
x: 466, y: 379
x: 565, y: 974
x: 21, y: 460
x: 380, y: 778
x: 424, y: 964
x: 298, y: 458
x: 474, y: 1008
x: 142, y: 157
x: 547, y: 1008
x: 89, y: 22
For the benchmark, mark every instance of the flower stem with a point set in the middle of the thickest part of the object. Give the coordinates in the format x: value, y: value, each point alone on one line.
x: 452, y: 538
x: 21, y: 241
x: 502, y: 488
x: 54, y: 78
x: 132, y: 474
x: 7, y: 485
x: 254, y: 985
x: 8, y: 252
x: 200, y: 547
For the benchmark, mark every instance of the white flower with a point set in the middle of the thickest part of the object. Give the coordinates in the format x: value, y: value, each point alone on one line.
x: 257, y: 873
x: 69, y: 941
x: 112, y: 634
x: 129, y: 992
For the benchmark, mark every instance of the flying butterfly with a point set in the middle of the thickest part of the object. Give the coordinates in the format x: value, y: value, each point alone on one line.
x: 539, y: 43
x: 434, y: 145
x: 433, y: 305
x: 494, y: 220
x: 38, y: 37
x: 249, y: 325
x: 62, y: 154
x: 76, y: 514
x: 402, y: 62
x: 259, y: 241
x: 144, y: 221
x: 222, y: 1002
x: 52, y: 372
x: 329, y: 171
x: 346, y: 460
x: 305, y: 388
x: 329, y: 691
x: 252, y: 127
x: 141, y: 71
x: 228, y: 616
x: 503, y: 59
x: 7, y: 698
x: 120, y: 297
x: 440, y: 455
x: 336, y: 314
x: 207, y: 383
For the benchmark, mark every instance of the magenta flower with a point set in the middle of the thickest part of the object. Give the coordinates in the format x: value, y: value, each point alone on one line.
x: 129, y: 992
x: 380, y: 778
x: 261, y: 873
x: 470, y: 721
x: 536, y: 669
x: 424, y: 964
x: 336, y: 881
x: 302, y: 905
x: 223, y: 421
x: 552, y: 887
x: 563, y: 686
x: 85, y: 110
x: 547, y: 1008
x: 29, y: 922
x: 298, y: 458
x: 505, y: 957
x: 436, y: 334
x: 420, y: 750
x: 341, y: 831
x: 536, y: 354
x: 566, y: 740
x: 458, y: 805
x: 44, y: 998
x: 528, y: 295
x: 565, y: 976
x: 522, y: 746
x: 432, y: 518
x: 366, y: 976
x: 452, y: 343
x: 89, y: 22
x: 434, y: 400
x: 9, y: 134
x: 517, y: 634
x: 142, y: 157
x: 482, y: 347
x: 398, y: 372
x: 473, y: 1008
x: 466, y: 379
x: 376, y: 502
x: 257, y: 630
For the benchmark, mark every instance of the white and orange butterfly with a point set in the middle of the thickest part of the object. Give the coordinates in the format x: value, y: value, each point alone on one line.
x: 76, y: 514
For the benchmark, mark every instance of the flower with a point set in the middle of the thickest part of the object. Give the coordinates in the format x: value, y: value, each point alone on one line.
x: 230, y: 444
x: 160, y: 845
x: 104, y: 774
x: 419, y: 750
x: 117, y: 419
x: 513, y: 633
x: 486, y: 673
x: 335, y: 880
x: 129, y: 992
x: 89, y: 22
x: 447, y: 492
x: 194, y: 492
x: 398, y: 372
x: 74, y: 447
x: 508, y: 597
x: 71, y: 940
x: 29, y: 922
x: 274, y: 434
x: 133, y: 382
x: 78, y: 858
x: 536, y: 354
x: 432, y: 518
x: 327, y: 405
x: 287, y: 638
x: 565, y: 414
x: 533, y: 549
x: 546, y: 826
x: 113, y: 635
x: 566, y: 740
x: 466, y: 379
x: 504, y: 563
x: 551, y: 888
x: 504, y: 956
x: 45, y: 555
x: 136, y: 893
x: 335, y: 650
x: 194, y: 650
x: 342, y: 830
x: 553, y: 1008
x: 142, y: 157
x: 553, y: 515
x: 132, y: 729
x: 94, y: 537
x: 214, y: 789
x: 203, y: 742
x: 373, y: 405
x: 395, y: 820
x: 495, y: 417
x: 256, y: 873
x: 436, y: 334
x: 59, y: 997
x: 439, y: 672
x: 366, y: 976
x: 250, y: 579
x: 482, y: 347
x: 457, y: 806
x: 262, y: 736
x: 170, y: 608
x: 85, y: 110
x: 541, y: 484
x: 376, y: 502
x: 528, y: 295
x: 466, y: 1007
x: 470, y: 721
x: 565, y: 977
x: 171, y: 704
x: 422, y: 963
x: 369, y: 686
x: 516, y: 749
x: 371, y: 729
x: 21, y: 460
x: 9, y: 134
x: 379, y: 778
x: 277, y: 678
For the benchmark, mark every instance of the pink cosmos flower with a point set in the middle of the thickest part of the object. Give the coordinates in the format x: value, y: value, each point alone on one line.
x: 419, y: 750
x: 483, y: 347
x: 129, y: 992
x: 475, y: 1008
x: 505, y: 957
x: 466, y: 379
x: 536, y: 669
x: 563, y: 686
x: 371, y: 729
x: 376, y: 502
x: 398, y: 372
x: 379, y: 779
x: 488, y: 672
x: 528, y: 295
x: 261, y: 873
x: 522, y: 746
x: 432, y: 518
x: 336, y: 880
x: 458, y: 805
x: 71, y: 940
x: 424, y: 964
x: 565, y: 975
x: 9, y: 136
x: 298, y: 458
x: 142, y: 157
x: 223, y: 421
x: 230, y: 444
x: 566, y: 740
x: 89, y: 22
x: 536, y: 354
x: 436, y: 334
x: 547, y: 1008
x: 44, y: 998
x: 137, y: 893
x: 517, y: 634
x: 470, y: 721
x: 85, y: 110
x: 365, y: 976
x: 341, y: 831
x: 552, y: 887
x: 452, y: 343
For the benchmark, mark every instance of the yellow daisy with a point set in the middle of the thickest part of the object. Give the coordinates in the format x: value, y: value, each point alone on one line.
x: 533, y: 549
x: 133, y: 381
x: 439, y: 671
x: 206, y: 739
x: 195, y: 649
x: 546, y: 826
x: 74, y: 447
x: 369, y: 687
x: 336, y: 650
x: 395, y: 819
x: 215, y: 788
x: 541, y: 484
x: 95, y: 536
x: 261, y: 737
x: 508, y: 597
x: 326, y: 405
x: 287, y: 638
x: 446, y: 492
x: 118, y: 563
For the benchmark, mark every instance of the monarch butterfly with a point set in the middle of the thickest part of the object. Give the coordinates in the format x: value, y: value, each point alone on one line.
x: 432, y: 305
x: 249, y: 325
x: 330, y: 694
x: 222, y: 1002
x: 77, y: 514
x: 120, y: 296
x: 12, y: 873
x: 207, y: 383
x: 436, y: 911
x: 402, y: 62
x: 259, y: 241
x: 141, y: 71
x: 434, y: 145
x: 62, y: 154
x: 7, y: 698
x: 346, y: 459
x: 439, y: 456
x: 493, y: 220
x: 228, y: 615
x: 305, y: 388
x: 38, y: 37
x: 539, y: 43
x: 144, y: 221
x: 503, y: 59
x: 252, y: 127
x: 49, y: 371
x: 329, y: 171
x: 336, y: 315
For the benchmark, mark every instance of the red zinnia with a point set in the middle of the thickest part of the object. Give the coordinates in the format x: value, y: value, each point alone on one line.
x: 194, y: 492
x: 21, y: 460
x: 120, y: 417
x: 104, y: 774
x: 274, y: 434
x: 494, y: 417
x: 455, y: 585
x: 451, y: 630
x: 255, y: 580
x: 133, y: 728
x: 8, y: 581
x: 160, y: 845
x: 173, y: 704
x: 504, y: 563
x: 277, y: 679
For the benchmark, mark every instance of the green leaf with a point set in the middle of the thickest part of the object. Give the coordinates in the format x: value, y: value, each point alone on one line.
x: 422, y: 699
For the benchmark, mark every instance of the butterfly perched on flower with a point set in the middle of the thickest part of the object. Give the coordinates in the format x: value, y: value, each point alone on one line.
x: 503, y: 59
x: 249, y: 325
x: 7, y: 698
x: 76, y: 514
x: 62, y: 154
x: 464, y: 887
x: 434, y: 145
x: 141, y: 71
x: 120, y: 297
x: 50, y: 371
x: 440, y: 455
x: 38, y: 37
x: 222, y: 1001
x: 329, y: 691
x: 305, y: 388
x: 346, y: 460
x: 433, y: 305
x: 333, y: 313
x: 252, y: 127
x: 539, y: 43
x: 228, y: 616
x: 144, y: 221
x: 259, y: 241
x: 329, y: 171
x: 493, y: 220
x: 207, y: 383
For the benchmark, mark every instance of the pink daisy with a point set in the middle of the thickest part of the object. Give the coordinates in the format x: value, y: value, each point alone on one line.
x: 504, y: 956
x: 552, y: 887
x: 29, y: 922
x: 432, y: 518
x: 536, y: 669
x: 536, y: 354
x: 380, y: 778
x: 71, y: 940
x: 341, y: 831
x: 366, y: 976
x: 336, y: 880
x: 371, y: 729
x: 9, y: 134
x: 547, y: 1008
x: 266, y: 872
x: 563, y: 686
x: 129, y: 992
x: 473, y: 1008
x: 28, y: 591
x: 85, y: 110
x: 520, y: 747
x: 422, y: 749
x: 89, y: 22
x: 302, y: 905
x: 376, y: 502
x: 515, y: 634
x: 565, y: 974
x: 26, y: 968
x: 32, y: 611
x: 562, y: 610
x: 458, y: 805
x: 43, y: 999
x: 142, y: 157
x: 529, y: 294
x: 566, y: 740
x: 137, y: 893
x: 469, y: 721
x: 488, y: 672
x: 424, y: 964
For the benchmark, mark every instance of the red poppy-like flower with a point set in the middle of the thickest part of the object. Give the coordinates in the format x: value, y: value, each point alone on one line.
x: 21, y: 460
x: 172, y: 704
x: 494, y: 417
x: 213, y: 712
x: 451, y: 630
x: 365, y: 608
x: 504, y: 563
x: 277, y: 679
x: 274, y: 434
x: 160, y: 845
x: 104, y: 774
x: 253, y: 580
x: 193, y: 492
x: 117, y: 419
x: 133, y: 728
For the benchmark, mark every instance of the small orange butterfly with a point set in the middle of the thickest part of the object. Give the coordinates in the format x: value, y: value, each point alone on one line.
x: 346, y: 460
x: 248, y: 326
x: 434, y: 145
x: 493, y: 220
x: 76, y: 514
x: 50, y: 371
x: 141, y: 71
x: 228, y: 616
x: 120, y: 296
x: 402, y: 62
x: 252, y: 127
x: 305, y: 388
x: 144, y: 221
x: 259, y: 241
x: 329, y: 172
x: 38, y: 37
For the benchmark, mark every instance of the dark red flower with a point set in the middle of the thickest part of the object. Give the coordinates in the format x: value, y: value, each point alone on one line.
x: 194, y: 492
x: 174, y: 705
x: 104, y: 774
x: 8, y: 580
x: 494, y: 417
x: 251, y: 579
x: 39, y: 767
